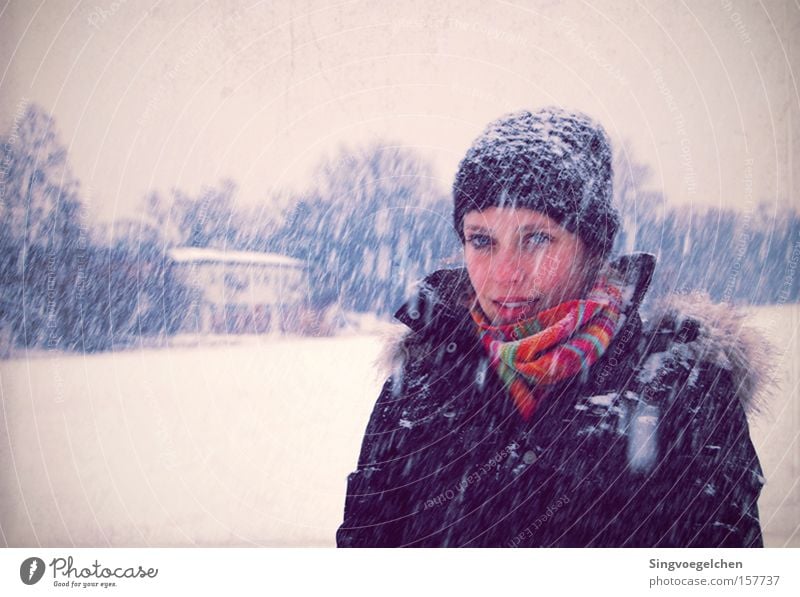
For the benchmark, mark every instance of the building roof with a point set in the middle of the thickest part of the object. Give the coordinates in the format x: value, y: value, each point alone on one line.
x: 202, y: 255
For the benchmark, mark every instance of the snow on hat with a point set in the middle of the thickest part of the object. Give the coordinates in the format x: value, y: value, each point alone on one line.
x: 552, y: 161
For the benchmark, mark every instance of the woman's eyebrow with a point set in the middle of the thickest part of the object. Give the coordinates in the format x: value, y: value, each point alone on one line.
x: 475, y: 228
x: 536, y: 228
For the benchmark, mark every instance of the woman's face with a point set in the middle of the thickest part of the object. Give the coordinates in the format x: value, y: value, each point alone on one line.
x: 521, y: 262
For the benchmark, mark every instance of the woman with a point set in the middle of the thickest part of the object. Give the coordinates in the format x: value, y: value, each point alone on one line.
x: 530, y: 405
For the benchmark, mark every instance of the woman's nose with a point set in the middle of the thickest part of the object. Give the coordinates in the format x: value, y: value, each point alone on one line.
x: 508, y: 267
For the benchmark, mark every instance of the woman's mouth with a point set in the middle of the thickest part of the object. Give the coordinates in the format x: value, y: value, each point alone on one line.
x: 515, y: 308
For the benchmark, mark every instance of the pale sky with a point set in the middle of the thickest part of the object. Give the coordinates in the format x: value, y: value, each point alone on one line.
x: 155, y: 95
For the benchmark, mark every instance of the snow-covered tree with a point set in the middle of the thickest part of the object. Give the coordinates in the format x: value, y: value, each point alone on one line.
x: 375, y: 222
x: 40, y: 234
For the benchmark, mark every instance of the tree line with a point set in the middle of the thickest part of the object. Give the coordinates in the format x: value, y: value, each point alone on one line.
x: 374, y: 222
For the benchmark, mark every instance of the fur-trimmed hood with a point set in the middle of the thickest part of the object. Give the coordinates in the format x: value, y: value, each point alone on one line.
x: 723, y: 337
x: 715, y: 333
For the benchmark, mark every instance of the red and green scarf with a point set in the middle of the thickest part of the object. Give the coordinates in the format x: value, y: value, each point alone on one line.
x: 556, y: 344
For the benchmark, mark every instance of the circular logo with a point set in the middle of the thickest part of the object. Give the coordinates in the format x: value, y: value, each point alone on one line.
x: 31, y: 571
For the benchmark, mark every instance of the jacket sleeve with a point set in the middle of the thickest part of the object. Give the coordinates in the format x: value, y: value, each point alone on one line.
x: 373, y: 515
x: 706, y: 487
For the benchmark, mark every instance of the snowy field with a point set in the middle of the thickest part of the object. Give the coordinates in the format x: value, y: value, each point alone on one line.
x: 776, y: 431
x: 247, y: 441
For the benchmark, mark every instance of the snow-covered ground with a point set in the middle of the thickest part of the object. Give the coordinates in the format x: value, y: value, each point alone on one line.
x: 776, y: 431
x: 247, y: 441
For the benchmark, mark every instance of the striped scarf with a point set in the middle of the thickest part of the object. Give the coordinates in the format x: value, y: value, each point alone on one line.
x: 554, y: 345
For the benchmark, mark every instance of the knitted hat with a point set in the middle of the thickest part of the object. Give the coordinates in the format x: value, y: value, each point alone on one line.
x: 552, y: 161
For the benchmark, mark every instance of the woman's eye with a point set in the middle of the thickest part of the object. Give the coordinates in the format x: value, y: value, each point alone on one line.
x: 537, y: 239
x: 480, y: 241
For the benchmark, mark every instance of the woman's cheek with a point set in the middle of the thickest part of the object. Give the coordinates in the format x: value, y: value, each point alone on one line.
x: 477, y: 277
x: 542, y: 275
x: 481, y: 265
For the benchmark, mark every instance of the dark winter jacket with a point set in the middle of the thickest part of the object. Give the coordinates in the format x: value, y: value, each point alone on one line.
x: 650, y: 449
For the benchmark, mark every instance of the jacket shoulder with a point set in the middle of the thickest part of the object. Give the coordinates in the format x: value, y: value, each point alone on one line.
x: 430, y: 317
x: 705, y: 334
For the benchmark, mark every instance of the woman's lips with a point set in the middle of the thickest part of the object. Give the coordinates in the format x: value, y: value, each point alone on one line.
x: 516, y: 307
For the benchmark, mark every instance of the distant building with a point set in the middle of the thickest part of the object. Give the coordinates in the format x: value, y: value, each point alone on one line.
x: 239, y: 291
